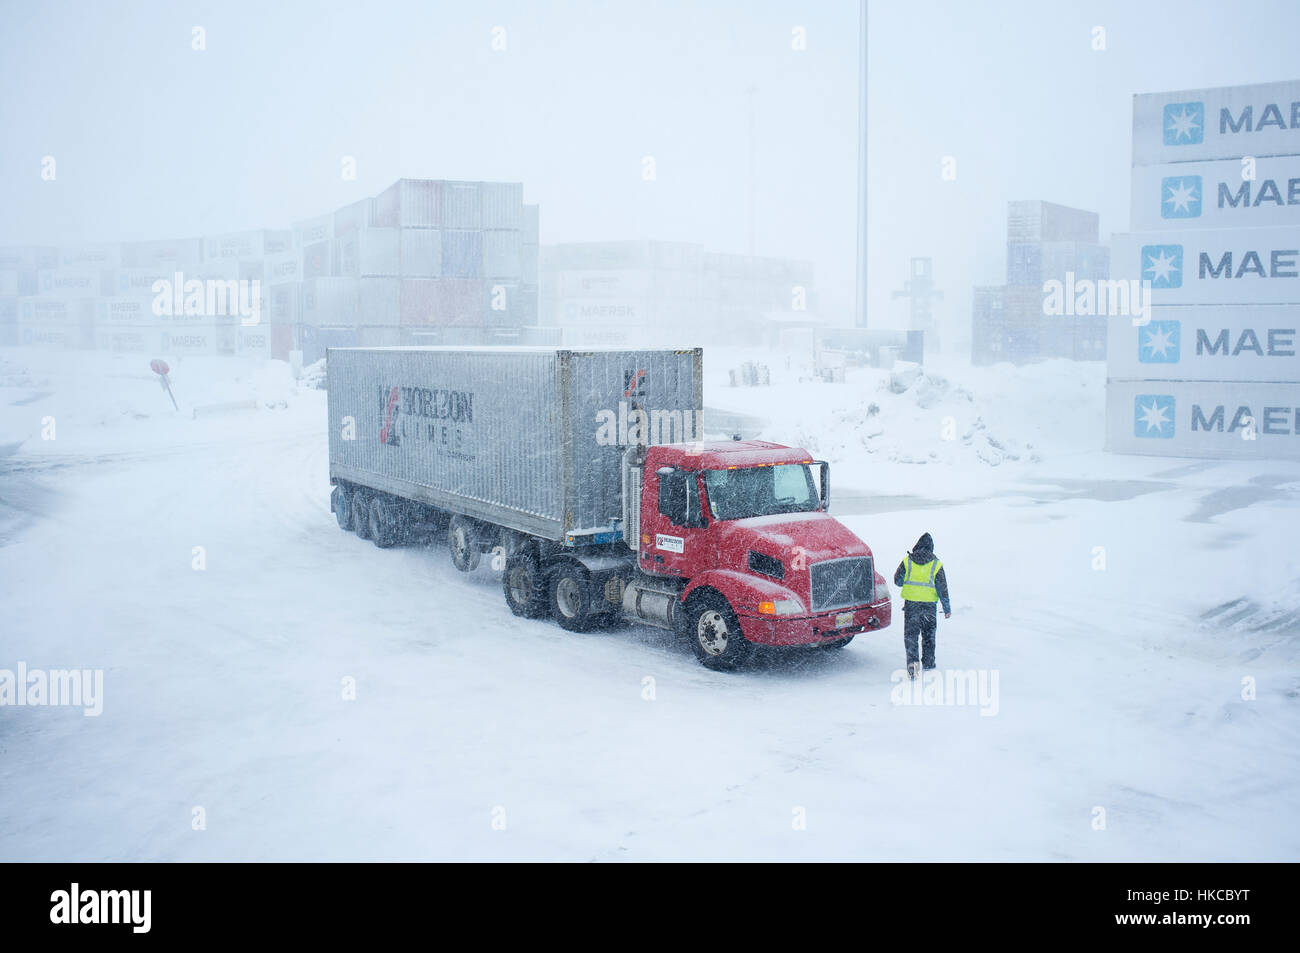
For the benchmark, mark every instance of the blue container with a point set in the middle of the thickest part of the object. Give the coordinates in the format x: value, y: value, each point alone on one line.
x: 462, y: 253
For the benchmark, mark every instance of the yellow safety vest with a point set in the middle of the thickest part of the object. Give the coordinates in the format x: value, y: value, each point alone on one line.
x: 918, y: 581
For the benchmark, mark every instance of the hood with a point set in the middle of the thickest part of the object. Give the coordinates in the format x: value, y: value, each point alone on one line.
x: 820, y: 535
x: 923, y: 551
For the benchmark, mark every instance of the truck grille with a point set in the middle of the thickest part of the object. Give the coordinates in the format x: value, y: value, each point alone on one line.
x: 842, y: 582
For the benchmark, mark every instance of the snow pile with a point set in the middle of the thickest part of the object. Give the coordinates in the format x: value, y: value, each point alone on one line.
x: 881, y: 425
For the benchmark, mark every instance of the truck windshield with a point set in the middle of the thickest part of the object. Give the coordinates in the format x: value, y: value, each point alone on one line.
x: 760, y: 491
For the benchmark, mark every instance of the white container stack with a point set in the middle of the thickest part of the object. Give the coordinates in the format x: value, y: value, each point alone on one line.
x: 1216, y: 219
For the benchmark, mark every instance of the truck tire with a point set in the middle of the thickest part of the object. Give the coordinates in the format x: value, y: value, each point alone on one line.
x: 463, y: 544
x: 714, y: 633
x: 382, y: 517
x: 360, y: 510
x: 341, y: 504
x: 525, y: 586
x: 573, y: 601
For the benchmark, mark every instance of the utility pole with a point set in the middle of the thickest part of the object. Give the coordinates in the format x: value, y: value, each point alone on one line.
x: 861, y: 316
x: 750, y: 92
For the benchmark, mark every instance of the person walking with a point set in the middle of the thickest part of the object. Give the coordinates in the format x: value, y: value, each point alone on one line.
x: 923, y: 586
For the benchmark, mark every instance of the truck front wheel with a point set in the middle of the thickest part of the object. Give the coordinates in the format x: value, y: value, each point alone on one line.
x: 525, y: 586
x: 714, y: 633
x: 573, y: 603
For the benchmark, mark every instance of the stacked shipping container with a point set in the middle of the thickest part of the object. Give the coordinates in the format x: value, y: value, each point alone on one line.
x: 1214, y: 372
x: 1045, y: 242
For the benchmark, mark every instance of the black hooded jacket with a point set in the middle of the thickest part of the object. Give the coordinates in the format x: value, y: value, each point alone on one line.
x: 921, y: 554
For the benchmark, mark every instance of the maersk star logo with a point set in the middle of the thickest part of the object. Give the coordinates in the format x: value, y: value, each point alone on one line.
x: 1162, y: 265
x: 1181, y: 197
x: 1153, y: 416
x: 1184, y: 124
x: 1158, y: 342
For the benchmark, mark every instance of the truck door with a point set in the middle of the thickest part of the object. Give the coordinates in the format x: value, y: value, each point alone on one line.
x: 674, y: 530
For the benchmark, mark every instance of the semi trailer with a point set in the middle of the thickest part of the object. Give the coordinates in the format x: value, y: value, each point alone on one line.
x: 586, y: 478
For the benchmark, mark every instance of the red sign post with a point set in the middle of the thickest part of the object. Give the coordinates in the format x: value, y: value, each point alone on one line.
x: 159, y: 367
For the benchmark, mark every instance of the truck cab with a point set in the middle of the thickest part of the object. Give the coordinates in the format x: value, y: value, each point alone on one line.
x: 741, y: 532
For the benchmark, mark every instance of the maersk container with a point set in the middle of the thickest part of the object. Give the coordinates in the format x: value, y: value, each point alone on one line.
x: 526, y: 438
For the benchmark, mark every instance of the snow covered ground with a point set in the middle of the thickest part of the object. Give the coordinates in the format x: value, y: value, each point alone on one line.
x: 1126, y: 606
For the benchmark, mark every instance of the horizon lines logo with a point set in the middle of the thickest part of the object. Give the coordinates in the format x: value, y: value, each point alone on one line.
x: 1153, y: 416
x: 1160, y: 342
x: 1162, y: 265
x: 1181, y: 196
x: 1184, y: 124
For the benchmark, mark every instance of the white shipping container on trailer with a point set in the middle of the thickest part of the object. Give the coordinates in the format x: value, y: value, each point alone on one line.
x: 511, y: 436
x: 1230, y: 420
x: 1212, y: 266
x: 1216, y: 194
x: 1224, y: 123
x: 1251, y: 342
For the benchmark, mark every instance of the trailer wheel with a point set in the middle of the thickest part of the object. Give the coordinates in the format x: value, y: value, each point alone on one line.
x: 525, y: 586
x: 360, y: 506
x: 714, y: 633
x: 341, y: 504
x: 464, y: 547
x: 573, y: 604
x: 382, y: 523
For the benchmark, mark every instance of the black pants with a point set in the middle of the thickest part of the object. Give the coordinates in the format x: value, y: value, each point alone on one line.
x: 920, y: 619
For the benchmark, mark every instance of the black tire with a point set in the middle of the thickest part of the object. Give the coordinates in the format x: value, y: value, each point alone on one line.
x: 463, y: 544
x: 382, y: 517
x: 525, y: 586
x: 341, y: 504
x: 572, y: 598
x: 838, y: 644
x: 360, y: 514
x: 714, y: 633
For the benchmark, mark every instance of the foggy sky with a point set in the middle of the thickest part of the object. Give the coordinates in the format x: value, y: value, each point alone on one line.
x: 153, y: 139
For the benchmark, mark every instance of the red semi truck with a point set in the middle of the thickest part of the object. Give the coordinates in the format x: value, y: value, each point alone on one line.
x: 728, y: 543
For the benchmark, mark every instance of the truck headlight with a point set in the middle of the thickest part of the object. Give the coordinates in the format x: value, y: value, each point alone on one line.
x: 781, y: 607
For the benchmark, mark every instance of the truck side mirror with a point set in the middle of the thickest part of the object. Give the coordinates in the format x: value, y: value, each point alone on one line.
x: 825, y: 484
